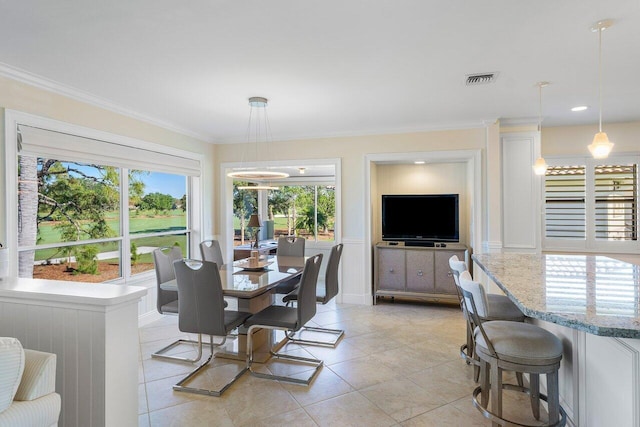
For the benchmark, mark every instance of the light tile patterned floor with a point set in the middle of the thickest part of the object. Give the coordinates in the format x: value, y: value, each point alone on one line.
x: 398, y: 365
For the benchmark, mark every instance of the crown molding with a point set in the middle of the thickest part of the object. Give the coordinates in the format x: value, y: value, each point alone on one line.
x: 88, y: 98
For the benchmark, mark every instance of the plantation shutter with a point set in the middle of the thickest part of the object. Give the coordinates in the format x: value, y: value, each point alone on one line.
x: 565, y: 202
x: 126, y: 154
x: 616, y: 203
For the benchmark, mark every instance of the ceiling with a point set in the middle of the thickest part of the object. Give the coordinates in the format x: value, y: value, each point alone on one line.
x: 331, y: 68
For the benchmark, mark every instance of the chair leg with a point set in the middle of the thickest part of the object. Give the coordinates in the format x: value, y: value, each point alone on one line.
x: 181, y: 387
x: 496, y: 391
x: 333, y: 344
x: 316, y: 363
x: 160, y: 353
x: 484, y: 383
x: 553, y: 398
x: 534, y: 390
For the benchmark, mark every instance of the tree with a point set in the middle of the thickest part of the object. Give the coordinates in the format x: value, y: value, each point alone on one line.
x: 157, y: 201
x: 245, y: 202
x: 75, y: 195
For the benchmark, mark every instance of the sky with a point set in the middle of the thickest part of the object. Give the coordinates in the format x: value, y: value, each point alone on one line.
x: 155, y: 182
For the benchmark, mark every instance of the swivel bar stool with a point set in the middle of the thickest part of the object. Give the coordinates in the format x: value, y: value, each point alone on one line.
x: 490, y: 307
x: 513, y: 346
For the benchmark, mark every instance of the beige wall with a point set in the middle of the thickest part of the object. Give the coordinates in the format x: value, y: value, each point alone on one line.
x: 573, y: 140
x: 436, y: 178
x: 352, y: 151
x: 22, y: 97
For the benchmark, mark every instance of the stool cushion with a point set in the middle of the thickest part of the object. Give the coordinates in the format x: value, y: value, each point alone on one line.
x: 502, y: 308
x: 520, y: 343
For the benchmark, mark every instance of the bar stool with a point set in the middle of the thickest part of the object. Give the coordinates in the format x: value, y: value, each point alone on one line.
x: 519, y: 347
x: 490, y: 307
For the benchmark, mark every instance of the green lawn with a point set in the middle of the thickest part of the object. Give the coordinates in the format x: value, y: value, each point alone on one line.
x: 175, y: 220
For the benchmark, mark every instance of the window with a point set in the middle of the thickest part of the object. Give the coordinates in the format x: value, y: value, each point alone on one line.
x: 304, y: 204
x: 92, y: 209
x: 591, y: 204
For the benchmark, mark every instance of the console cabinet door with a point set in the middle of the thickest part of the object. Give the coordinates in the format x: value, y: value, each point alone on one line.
x: 391, y: 269
x: 443, y: 277
x: 420, y: 271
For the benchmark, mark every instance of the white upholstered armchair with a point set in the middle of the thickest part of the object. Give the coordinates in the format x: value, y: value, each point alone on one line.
x: 27, y: 386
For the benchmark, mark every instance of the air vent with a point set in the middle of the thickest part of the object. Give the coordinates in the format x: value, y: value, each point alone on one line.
x: 481, y: 78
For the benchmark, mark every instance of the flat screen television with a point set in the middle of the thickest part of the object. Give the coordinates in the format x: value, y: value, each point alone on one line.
x: 420, y: 217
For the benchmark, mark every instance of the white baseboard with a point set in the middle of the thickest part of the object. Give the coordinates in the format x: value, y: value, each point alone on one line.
x: 148, y: 317
x: 357, y: 299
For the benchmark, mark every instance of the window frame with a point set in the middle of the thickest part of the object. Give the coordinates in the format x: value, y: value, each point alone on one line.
x: 590, y: 243
x: 13, y: 119
x: 226, y: 197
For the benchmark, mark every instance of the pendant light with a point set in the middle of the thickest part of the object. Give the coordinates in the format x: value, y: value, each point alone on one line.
x: 258, y: 129
x: 601, y: 146
x: 540, y: 166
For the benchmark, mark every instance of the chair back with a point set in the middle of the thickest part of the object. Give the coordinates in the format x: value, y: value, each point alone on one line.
x: 200, y: 297
x: 457, y: 267
x: 163, y: 259
x: 211, y: 251
x: 478, y: 305
x: 471, y: 313
x: 291, y: 246
x: 331, y: 275
x: 307, y: 290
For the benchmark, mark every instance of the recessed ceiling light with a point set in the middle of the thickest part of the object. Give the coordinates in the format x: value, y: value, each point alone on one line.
x: 580, y: 108
x: 419, y: 162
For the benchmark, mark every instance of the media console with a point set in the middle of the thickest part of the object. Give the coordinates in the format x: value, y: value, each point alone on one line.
x: 416, y: 271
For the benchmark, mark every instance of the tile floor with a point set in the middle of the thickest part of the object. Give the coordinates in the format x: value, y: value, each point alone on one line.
x: 398, y: 365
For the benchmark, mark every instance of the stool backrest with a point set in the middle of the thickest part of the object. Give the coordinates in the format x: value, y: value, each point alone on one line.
x: 211, y: 251
x: 457, y: 267
x: 471, y: 314
x: 200, y: 297
x: 479, y: 295
x: 307, y: 291
x: 291, y: 246
x: 331, y: 275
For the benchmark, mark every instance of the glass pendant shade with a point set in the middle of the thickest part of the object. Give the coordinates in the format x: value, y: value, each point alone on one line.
x: 540, y: 166
x: 601, y: 146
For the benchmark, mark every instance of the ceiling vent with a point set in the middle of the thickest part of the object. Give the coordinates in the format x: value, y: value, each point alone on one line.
x: 481, y: 78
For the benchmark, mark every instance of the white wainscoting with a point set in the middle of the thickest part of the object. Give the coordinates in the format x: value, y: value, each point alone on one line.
x: 354, y: 288
x: 599, y: 378
x: 96, y: 343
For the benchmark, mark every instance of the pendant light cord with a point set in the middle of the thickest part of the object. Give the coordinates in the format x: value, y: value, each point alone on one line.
x: 600, y: 74
x: 540, y: 107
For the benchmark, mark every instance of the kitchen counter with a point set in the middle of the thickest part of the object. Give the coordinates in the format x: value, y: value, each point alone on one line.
x: 592, y: 304
x: 595, y: 294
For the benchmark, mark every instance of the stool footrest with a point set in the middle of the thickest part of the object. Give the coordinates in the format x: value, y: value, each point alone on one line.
x: 503, y: 421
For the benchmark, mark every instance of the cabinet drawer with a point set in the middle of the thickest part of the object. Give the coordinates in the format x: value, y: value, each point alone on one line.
x: 419, y: 271
x: 391, y: 272
x: 444, y: 283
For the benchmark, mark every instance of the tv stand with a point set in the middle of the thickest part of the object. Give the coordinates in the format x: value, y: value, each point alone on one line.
x: 417, y: 271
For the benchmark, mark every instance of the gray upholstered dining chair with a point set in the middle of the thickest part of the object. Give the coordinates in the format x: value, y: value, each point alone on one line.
x: 201, y: 311
x: 323, y: 296
x: 514, y: 346
x: 289, y: 246
x: 490, y: 306
x: 167, y: 301
x: 288, y: 319
x: 211, y: 251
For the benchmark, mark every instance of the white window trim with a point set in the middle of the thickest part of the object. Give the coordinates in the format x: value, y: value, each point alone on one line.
x: 14, y: 118
x: 590, y: 244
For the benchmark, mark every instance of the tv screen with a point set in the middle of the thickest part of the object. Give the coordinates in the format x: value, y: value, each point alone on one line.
x: 422, y: 217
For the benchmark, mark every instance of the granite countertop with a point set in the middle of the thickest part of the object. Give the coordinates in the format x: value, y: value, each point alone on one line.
x: 595, y: 294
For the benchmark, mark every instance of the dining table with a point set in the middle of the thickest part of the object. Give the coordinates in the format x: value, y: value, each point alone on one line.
x: 251, y: 284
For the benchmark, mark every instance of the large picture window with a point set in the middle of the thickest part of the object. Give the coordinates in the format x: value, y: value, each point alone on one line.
x: 92, y: 209
x: 591, y: 204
